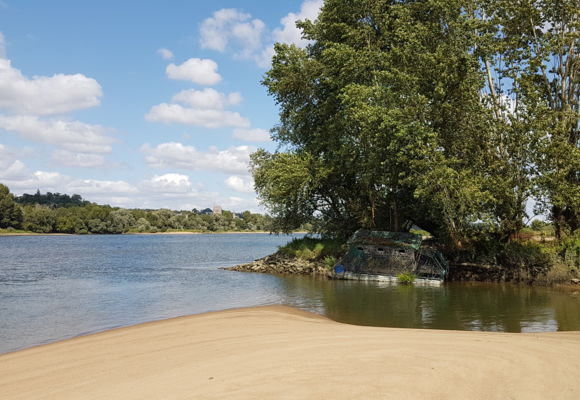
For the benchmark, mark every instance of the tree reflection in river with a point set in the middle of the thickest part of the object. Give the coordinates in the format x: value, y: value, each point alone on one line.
x: 461, y: 306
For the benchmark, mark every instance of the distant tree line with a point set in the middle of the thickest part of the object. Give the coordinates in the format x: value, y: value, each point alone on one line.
x: 61, y: 213
x: 51, y: 199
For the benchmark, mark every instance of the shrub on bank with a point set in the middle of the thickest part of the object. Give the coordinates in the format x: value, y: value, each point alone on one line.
x: 406, y: 278
x: 308, y: 248
x: 542, y: 262
x: 569, y: 249
x: 330, y: 262
x: 529, y: 257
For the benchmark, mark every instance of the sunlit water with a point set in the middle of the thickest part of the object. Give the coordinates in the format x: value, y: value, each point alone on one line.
x: 57, y: 287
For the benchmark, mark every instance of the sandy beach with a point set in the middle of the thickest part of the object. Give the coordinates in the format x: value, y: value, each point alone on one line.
x: 283, y: 353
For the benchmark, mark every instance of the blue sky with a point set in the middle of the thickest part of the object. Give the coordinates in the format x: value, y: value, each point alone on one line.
x: 139, y: 103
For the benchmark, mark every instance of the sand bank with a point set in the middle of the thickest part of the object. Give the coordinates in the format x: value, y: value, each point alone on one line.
x: 281, y: 353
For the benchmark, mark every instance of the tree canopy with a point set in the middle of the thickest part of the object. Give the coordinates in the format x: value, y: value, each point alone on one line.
x: 450, y: 114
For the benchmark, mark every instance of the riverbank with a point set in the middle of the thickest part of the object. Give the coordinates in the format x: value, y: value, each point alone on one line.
x: 4, y: 232
x: 281, y: 264
x: 283, y: 353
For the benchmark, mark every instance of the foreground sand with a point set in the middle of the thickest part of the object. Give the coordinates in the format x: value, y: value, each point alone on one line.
x: 282, y: 353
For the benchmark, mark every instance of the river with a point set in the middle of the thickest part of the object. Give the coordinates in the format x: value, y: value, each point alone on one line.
x: 57, y: 287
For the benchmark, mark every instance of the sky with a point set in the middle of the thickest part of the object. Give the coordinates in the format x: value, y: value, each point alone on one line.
x: 140, y: 104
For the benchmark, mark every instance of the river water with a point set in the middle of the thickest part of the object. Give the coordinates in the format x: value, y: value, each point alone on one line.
x: 57, y: 287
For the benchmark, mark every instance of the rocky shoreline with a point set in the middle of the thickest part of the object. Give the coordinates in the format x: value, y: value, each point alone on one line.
x: 280, y: 264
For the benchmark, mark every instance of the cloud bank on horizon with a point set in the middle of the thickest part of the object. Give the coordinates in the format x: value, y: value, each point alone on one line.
x: 82, y: 131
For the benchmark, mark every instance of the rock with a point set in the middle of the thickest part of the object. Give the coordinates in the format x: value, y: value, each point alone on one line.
x: 278, y: 264
x: 575, y: 281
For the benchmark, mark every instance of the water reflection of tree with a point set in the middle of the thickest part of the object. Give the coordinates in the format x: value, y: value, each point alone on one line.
x: 567, y: 306
x: 454, y: 306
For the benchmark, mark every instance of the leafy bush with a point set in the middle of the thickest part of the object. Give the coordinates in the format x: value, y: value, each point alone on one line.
x: 530, y: 257
x: 484, y: 250
x: 570, y: 249
x: 308, y: 248
x: 406, y: 278
x: 330, y: 262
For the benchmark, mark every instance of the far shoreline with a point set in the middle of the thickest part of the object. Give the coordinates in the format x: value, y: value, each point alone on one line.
x: 144, y: 233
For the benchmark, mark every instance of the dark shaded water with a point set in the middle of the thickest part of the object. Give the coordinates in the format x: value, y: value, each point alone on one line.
x: 56, y: 287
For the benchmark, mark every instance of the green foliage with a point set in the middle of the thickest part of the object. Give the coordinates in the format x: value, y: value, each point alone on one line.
x: 10, y: 212
x: 57, y: 213
x: 330, y: 262
x: 450, y: 114
x: 51, y: 199
x: 539, y: 225
x: 569, y: 249
x: 530, y: 257
x: 10, y: 231
x: 285, y: 182
x: 383, y: 122
x: 406, y: 278
x: 308, y: 248
x: 39, y: 219
x: 535, y: 46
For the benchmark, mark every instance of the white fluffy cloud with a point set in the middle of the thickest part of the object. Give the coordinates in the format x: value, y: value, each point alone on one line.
x: 21, y: 179
x: 196, y: 70
x: 70, y: 135
x: 207, y: 99
x: 42, y: 95
x: 12, y: 170
x: 289, y: 33
x: 240, y: 184
x: 166, y: 54
x: 249, y: 35
x: 203, y: 108
x: 10, y: 167
x: 176, y: 113
x: 75, y: 159
x: 168, y: 183
x: 252, y: 135
x: 25, y: 99
x: 230, y: 24
x: 214, y: 30
x: 250, y: 38
x: 171, y: 190
x: 28, y: 182
x: 233, y: 160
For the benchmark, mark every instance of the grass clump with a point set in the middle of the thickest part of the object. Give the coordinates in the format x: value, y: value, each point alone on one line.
x: 330, y: 262
x: 406, y: 278
x: 308, y: 248
x: 12, y: 231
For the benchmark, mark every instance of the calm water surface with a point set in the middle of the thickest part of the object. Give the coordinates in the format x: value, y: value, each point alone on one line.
x: 57, y: 287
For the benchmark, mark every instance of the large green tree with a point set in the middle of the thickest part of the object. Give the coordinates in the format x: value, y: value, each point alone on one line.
x: 454, y: 115
x: 10, y: 212
x: 536, y: 50
x: 380, y: 120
